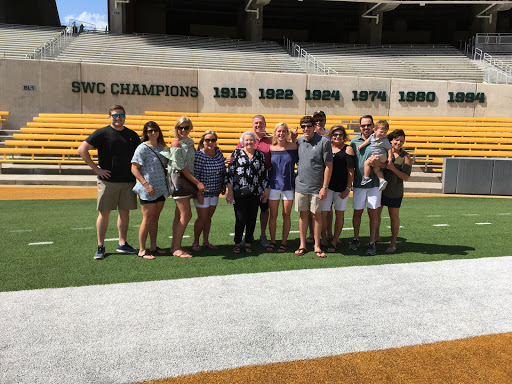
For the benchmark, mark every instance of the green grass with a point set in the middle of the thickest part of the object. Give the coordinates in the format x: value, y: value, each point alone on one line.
x: 69, y: 262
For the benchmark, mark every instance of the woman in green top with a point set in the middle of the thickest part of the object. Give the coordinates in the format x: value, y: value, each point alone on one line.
x: 395, y: 174
x: 181, y: 157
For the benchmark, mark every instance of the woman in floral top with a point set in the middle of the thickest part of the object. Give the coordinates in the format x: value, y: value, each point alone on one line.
x: 148, y: 169
x: 181, y: 157
x: 247, y: 183
x: 210, y: 169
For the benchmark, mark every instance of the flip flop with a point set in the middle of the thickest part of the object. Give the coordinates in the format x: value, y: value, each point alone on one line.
x: 301, y: 251
x: 391, y: 249
x: 182, y: 254
x: 146, y: 256
x: 271, y: 247
x: 282, y: 248
x: 320, y: 254
x: 210, y: 246
x: 236, y: 249
x: 331, y: 249
x: 248, y: 249
x: 160, y: 251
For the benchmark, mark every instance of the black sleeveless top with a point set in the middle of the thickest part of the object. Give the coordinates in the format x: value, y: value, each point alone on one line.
x: 340, y: 164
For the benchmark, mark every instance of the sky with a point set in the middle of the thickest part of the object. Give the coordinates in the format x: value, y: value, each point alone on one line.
x: 90, y: 11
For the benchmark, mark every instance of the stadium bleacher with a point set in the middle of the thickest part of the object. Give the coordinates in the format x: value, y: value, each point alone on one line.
x: 18, y: 41
x: 425, y: 61
x: 54, y: 138
x: 179, y: 52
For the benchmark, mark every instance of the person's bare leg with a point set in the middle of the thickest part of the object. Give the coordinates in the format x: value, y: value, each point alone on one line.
x: 287, y: 220
x: 207, y: 226
x: 317, y: 220
x: 123, y: 221
x: 102, y: 226
x: 303, y: 228
x: 394, y: 215
x: 183, y: 205
x: 153, y: 228
x: 199, y: 225
x: 374, y: 224
x: 338, y: 227
x: 272, y: 222
x: 356, y: 221
x: 263, y: 222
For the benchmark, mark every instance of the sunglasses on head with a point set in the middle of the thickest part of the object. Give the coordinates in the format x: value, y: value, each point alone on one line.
x: 365, y: 125
x: 304, y: 126
x: 118, y: 115
x: 211, y: 140
x: 185, y: 128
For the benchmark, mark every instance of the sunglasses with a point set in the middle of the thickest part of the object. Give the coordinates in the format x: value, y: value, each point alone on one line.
x: 319, y: 120
x: 337, y: 135
x: 304, y: 126
x: 211, y: 140
x: 185, y: 128
x: 152, y: 130
x: 118, y: 115
x: 365, y: 125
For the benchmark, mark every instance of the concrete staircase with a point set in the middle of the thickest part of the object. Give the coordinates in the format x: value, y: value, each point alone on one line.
x: 82, y: 175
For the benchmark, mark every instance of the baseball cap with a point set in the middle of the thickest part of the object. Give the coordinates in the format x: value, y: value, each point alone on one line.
x: 322, y: 113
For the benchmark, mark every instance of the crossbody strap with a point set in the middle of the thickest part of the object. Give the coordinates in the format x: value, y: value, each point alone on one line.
x: 158, y: 157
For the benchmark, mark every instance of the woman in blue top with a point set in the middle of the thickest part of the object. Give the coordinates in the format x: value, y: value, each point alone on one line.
x: 148, y: 169
x: 283, y: 156
x: 209, y: 169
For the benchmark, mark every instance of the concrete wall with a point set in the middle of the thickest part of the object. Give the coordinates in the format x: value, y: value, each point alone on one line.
x: 29, y: 87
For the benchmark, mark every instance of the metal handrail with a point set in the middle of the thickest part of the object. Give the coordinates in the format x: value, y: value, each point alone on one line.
x: 496, y: 71
x: 309, y: 61
x: 49, y: 48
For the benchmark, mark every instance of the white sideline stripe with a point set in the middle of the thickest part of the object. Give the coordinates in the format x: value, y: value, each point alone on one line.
x: 21, y: 230
x: 348, y: 229
x: 41, y: 243
x: 113, y: 239
x: 94, y: 334
x: 399, y: 227
x: 294, y: 231
x: 505, y: 213
x: 184, y: 236
x: 81, y: 229
x: 441, y: 225
x: 483, y: 223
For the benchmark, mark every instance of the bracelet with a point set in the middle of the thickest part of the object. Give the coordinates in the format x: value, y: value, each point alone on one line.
x: 145, y: 183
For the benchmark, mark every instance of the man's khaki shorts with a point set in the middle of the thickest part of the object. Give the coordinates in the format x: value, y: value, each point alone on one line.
x: 307, y: 202
x: 113, y: 196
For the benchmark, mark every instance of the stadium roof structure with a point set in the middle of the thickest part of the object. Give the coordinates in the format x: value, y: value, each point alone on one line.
x: 425, y: 2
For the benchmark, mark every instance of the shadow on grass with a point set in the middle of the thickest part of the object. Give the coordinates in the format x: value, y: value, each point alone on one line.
x: 404, y: 246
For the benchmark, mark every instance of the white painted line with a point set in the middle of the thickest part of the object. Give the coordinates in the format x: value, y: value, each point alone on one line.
x: 41, y: 243
x: 114, y: 239
x: 348, y: 229
x: 483, y: 223
x: 136, y: 226
x: 440, y: 225
x: 21, y: 230
x: 81, y: 229
x: 470, y: 214
x: 385, y: 217
x: 294, y: 231
x: 505, y: 213
x: 184, y: 236
x: 433, y: 215
x: 399, y: 227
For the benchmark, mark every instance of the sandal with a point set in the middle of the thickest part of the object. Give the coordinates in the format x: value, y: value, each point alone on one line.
x: 236, y: 249
x: 210, y: 246
x: 160, y: 251
x: 331, y: 249
x: 271, y: 247
x: 248, y: 249
x: 391, y: 249
x: 196, y: 247
x: 182, y: 254
x: 146, y: 256
x: 320, y: 253
x: 282, y: 248
x: 301, y: 251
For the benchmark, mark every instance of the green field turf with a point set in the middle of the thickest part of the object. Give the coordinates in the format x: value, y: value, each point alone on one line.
x: 476, y: 227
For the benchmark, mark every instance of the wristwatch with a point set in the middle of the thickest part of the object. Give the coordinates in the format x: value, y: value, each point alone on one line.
x: 324, y: 188
x: 349, y: 188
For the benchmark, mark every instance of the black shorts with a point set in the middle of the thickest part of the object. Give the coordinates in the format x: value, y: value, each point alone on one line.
x: 142, y: 202
x: 390, y: 202
x: 263, y: 206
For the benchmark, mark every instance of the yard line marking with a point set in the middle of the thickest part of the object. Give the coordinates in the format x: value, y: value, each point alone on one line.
x: 80, y: 229
x: 41, y: 243
x: 21, y: 230
x: 347, y: 229
x: 505, y: 213
x: 433, y: 215
x: 440, y: 225
x: 232, y: 234
x: 399, y: 227
x: 114, y: 239
x: 136, y: 226
x: 482, y: 223
x: 184, y: 236
x: 294, y: 231
x: 470, y: 214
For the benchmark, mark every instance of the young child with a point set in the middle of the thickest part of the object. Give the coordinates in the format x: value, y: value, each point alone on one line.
x: 381, y: 147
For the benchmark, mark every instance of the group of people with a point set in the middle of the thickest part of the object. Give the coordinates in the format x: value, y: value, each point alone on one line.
x: 317, y: 170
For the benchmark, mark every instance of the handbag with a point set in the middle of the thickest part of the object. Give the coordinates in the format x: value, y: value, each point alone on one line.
x: 179, y: 185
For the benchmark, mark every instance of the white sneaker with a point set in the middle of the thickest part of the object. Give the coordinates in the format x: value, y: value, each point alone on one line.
x: 382, y: 185
x: 365, y: 180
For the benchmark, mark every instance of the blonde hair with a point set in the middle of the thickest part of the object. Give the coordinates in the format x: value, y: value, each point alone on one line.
x: 201, y: 140
x: 382, y: 124
x: 181, y: 120
x: 274, y: 138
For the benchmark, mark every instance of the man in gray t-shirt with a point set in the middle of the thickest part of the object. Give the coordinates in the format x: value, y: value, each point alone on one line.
x: 313, y: 176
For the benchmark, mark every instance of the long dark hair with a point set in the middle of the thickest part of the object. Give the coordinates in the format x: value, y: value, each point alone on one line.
x: 145, y: 137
